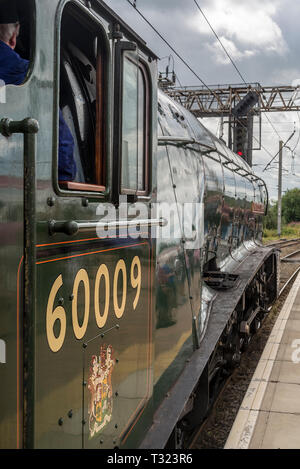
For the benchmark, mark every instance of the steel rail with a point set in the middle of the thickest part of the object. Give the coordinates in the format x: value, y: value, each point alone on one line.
x: 283, y: 242
x: 288, y: 282
x: 291, y: 278
x: 288, y: 256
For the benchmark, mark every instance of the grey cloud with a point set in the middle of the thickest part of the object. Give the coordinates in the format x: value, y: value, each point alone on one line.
x: 174, y: 19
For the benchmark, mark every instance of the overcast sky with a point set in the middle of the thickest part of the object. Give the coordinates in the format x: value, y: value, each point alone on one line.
x: 263, y: 39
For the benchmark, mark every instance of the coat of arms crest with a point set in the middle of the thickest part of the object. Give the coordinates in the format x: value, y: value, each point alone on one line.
x: 100, y: 387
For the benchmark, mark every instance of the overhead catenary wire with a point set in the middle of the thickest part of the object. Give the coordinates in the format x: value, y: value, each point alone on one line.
x: 133, y: 4
x: 230, y: 58
x: 288, y: 139
x: 272, y: 125
x: 296, y: 144
x: 169, y: 45
x: 219, y: 40
x: 168, y: 57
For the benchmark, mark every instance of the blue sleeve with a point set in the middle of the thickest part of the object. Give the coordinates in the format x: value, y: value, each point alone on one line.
x: 13, y: 70
x: 18, y: 74
x: 66, y: 163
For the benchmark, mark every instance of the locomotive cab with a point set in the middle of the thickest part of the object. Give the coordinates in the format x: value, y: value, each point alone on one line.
x: 81, y: 269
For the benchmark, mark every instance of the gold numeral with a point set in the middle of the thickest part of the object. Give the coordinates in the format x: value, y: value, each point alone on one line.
x: 102, y: 272
x: 59, y: 314
x: 81, y: 276
x: 136, y: 281
x: 119, y: 311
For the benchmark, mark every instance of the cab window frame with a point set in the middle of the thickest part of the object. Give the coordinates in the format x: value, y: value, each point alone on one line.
x: 146, y: 157
x: 30, y: 41
x: 87, y: 19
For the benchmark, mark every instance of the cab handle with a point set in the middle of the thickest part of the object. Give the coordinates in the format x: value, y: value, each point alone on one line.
x: 26, y: 126
x: 71, y: 228
x: 29, y: 127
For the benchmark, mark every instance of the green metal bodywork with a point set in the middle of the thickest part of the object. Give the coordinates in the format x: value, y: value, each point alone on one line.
x: 45, y: 397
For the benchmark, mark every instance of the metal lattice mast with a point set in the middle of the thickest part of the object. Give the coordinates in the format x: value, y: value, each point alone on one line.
x: 219, y: 100
x: 224, y: 101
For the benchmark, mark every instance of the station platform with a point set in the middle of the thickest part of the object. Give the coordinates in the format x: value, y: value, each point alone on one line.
x: 269, y: 416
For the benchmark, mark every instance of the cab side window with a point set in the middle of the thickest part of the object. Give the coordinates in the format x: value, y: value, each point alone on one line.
x: 25, y: 41
x: 135, y: 128
x: 17, y: 42
x: 82, y: 99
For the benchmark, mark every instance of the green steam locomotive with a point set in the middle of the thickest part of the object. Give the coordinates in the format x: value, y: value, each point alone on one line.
x: 129, y: 289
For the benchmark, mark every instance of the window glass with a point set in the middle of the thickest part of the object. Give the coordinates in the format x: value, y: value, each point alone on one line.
x: 25, y: 44
x: 141, y: 131
x: 134, y: 120
x: 130, y: 126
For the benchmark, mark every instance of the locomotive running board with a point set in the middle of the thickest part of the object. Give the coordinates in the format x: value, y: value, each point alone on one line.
x: 168, y: 414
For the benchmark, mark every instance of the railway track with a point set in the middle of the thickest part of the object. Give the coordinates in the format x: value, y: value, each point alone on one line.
x: 284, y: 242
x: 290, y: 266
x: 215, y: 429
